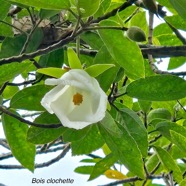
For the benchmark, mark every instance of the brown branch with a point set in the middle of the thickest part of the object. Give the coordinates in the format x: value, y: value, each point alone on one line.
x: 53, y: 47
x: 164, y: 51
x: 5, y: 111
x: 132, y: 179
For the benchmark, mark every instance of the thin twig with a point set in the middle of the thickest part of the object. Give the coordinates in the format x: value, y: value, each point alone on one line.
x: 29, y: 36
x: 5, y: 111
x: 41, y: 165
x: 21, y: 31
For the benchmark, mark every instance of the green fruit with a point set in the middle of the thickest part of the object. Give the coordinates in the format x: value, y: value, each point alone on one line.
x: 136, y: 34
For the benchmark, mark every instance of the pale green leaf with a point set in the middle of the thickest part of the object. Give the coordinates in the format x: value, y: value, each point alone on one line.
x: 73, y: 59
x: 52, y: 71
x: 96, y: 70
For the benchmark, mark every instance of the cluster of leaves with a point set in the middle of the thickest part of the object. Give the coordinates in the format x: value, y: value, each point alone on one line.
x: 147, y: 134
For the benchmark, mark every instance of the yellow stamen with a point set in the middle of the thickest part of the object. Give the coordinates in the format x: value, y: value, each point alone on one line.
x: 77, y: 99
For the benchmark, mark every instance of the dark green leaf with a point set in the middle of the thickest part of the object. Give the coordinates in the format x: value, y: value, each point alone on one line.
x: 121, y: 49
x: 38, y: 135
x: 136, y: 129
x: 158, y: 88
x: 75, y: 135
x: 52, y: 59
x: 91, y: 141
x: 49, y: 4
x: 12, y: 46
x: 102, y: 166
x: 123, y: 147
x: 44, y: 14
x: 29, y: 98
x: 169, y: 163
x: 15, y: 133
x: 9, y: 71
x: 35, y: 40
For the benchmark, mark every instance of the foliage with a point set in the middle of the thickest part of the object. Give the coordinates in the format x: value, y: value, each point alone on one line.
x: 144, y: 129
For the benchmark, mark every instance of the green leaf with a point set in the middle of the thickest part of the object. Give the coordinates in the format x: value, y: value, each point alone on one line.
x: 122, y: 146
x: 110, y: 126
x: 15, y: 133
x: 165, y: 127
x: 160, y: 113
x: 35, y: 41
x: 73, y: 59
x: 96, y: 70
x: 49, y: 4
x: 89, y: 8
x: 121, y: 49
x: 9, y: 91
x: 4, y: 8
x: 44, y: 14
x: 105, y: 79
x: 90, y: 142
x: 145, y: 105
x: 29, y: 98
x: 178, y: 140
x: 9, y: 71
x: 12, y: 46
x: 183, y: 182
x: 180, y: 7
x: 52, y: 71
x: 103, y: 165
x: 169, y: 163
x: 84, y: 169
x: 176, y: 62
x: 75, y: 135
x: 158, y: 88
x: 52, y: 59
x: 136, y: 129
x: 38, y: 135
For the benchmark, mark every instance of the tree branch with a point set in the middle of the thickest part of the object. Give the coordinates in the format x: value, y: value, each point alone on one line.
x: 41, y: 165
x: 5, y: 111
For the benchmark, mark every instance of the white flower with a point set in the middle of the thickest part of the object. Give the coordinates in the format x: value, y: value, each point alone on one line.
x: 77, y: 100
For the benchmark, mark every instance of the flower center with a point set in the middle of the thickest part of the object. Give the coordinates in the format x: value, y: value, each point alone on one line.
x: 77, y: 99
